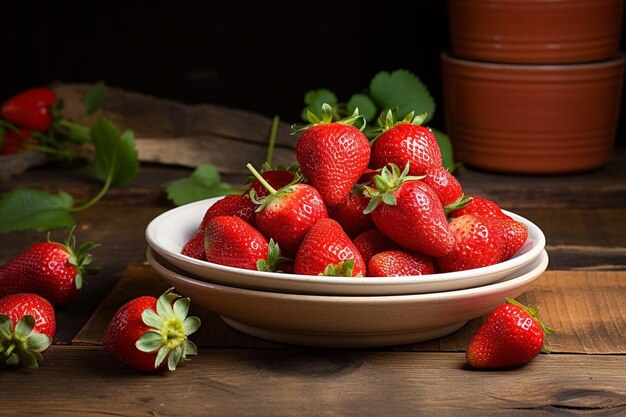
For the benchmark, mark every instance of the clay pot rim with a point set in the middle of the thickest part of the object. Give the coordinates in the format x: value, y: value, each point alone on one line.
x: 615, y: 59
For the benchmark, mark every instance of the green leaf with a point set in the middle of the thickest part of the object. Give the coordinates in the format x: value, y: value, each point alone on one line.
x: 314, y: 100
x: 149, y: 342
x: 24, y: 326
x: 366, y: 106
x: 114, y: 152
x: 163, y: 352
x: 152, y: 319
x: 205, y: 182
x: 174, y: 358
x: 181, y: 308
x: 447, y: 153
x: 30, y: 209
x: 94, y: 98
x: 191, y: 324
x: 402, y: 90
x: 38, y: 342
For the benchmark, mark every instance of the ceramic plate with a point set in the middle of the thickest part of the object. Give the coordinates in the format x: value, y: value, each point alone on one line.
x: 169, y: 232
x: 347, y: 321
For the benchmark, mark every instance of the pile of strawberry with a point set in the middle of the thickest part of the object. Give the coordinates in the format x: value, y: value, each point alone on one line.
x: 145, y: 334
x: 355, y: 209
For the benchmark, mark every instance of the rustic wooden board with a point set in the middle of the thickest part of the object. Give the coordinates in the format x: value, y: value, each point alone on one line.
x: 315, y: 382
x: 587, y: 309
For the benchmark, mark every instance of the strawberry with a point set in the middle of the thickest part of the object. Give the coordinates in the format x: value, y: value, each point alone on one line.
x: 477, y: 244
x: 51, y: 269
x: 276, y: 178
x: 512, y: 335
x: 408, y: 211
x: 145, y: 332
x: 405, y: 142
x: 230, y: 241
x: 349, y: 212
x: 371, y: 242
x: 30, y: 109
x: 513, y: 234
x: 287, y: 214
x: 327, y: 250
x: 397, y: 263
x: 14, y: 141
x: 228, y: 206
x: 27, y: 327
x: 444, y: 184
x: 332, y: 155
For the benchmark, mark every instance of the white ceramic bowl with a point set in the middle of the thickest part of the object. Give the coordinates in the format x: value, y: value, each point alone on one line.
x: 169, y: 232
x: 347, y: 321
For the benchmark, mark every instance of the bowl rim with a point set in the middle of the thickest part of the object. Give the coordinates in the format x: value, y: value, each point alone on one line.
x: 511, y: 263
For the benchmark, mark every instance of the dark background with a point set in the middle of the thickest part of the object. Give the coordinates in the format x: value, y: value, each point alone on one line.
x: 259, y: 58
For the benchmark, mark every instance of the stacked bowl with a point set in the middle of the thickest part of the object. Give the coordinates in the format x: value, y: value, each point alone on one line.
x: 533, y: 86
x: 337, y: 311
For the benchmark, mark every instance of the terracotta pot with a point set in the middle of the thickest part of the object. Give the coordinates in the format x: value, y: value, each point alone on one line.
x: 532, y: 118
x: 535, y: 31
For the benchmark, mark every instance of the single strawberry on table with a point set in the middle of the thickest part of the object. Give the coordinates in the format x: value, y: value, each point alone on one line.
x: 408, y: 211
x: 146, y: 334
x: 327, y: 250
x: 405, y: 142
x: 512, y: 335
x: 286, y: 214
x: 332, y: 155
x: 30, y: 109
x: 27, y: 327
x: 53, y: 270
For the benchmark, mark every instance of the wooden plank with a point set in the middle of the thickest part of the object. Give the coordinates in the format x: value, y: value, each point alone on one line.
x: 586, y: 308
x: 316, y: 382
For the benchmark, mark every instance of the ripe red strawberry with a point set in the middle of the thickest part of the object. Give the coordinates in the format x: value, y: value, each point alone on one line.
x: 371, y: 242
x: 477, y: 244
x: 332, y: 155
x: 349, y: 212
x: 444, y: 184
x: 512, y: 335
x: 228, y: 206
x: 514, y: 233
x: 27, y: 327
x: 287, y: 214
x: 397, y: 263
x: 327, y: 250
x: 405, y: 142
x: 51, y: 269
x: 230, y: 241
x: 13, y: 141
x: 408, y: 211
x: 276, y: 178
x: 30, y: 109
x: 146, y: 333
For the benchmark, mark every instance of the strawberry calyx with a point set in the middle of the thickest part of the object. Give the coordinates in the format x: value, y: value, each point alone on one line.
x: 169, y: 328
x: 328, y: 115
x: 387, y: 119
x: 22, y: 345
x: 342, y: 269
x: 460, y: 202
x: 533, y: 312
x: 273, y: 192
x: 273, y: 259
x: 386, y: 183
x: 80, y: 257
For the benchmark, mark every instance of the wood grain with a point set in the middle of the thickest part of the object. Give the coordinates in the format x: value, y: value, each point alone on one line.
x: 585, y: 307
x: 315, y: 382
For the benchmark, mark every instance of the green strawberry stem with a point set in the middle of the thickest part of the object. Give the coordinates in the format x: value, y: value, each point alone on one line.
x: 105, y: 188
x: 78, y: 132
x: 273, y: 259
x: 327, y: 117
x: 21, y: 346
x: 262, y: 180
x: 387, y: 182
x: 458, y: 204
x: 169, y: 329
x: 80, y: 257
x: 272, y: 141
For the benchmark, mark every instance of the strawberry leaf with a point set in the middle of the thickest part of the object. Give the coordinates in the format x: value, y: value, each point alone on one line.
x: 205, y: 182
x: 315, y: 99
x: 114, y: 152
x: 30, y: 209
x: 401, y: 89
x: 367, y: 108
x: 94, y: 98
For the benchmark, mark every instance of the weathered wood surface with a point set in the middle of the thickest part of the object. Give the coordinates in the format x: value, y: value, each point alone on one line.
x: 83, y: 381
x: 587, y: 308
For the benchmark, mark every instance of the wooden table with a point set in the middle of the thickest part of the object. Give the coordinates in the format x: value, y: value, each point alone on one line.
x: 582, y: 295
